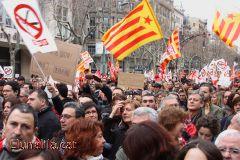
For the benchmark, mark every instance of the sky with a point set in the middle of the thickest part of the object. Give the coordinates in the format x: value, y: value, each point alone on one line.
x: 205, y: 9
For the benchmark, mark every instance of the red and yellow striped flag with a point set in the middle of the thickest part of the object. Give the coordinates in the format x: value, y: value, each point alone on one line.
x: 227, y: 28
x: 173, y: 49
x: 139, y: 27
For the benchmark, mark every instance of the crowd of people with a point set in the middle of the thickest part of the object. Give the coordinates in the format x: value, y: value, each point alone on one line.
x: 167, y: 120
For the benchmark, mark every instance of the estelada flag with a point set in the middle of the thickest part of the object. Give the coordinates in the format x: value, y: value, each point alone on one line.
x: 227, y: 28
x: 173, y: 49
x: 139, y: 27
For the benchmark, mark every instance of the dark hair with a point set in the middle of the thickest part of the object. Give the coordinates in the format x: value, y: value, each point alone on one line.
x: 12, y: 100
x: 21, y: 78
x: 148, y: 94
x: 44, y: 153
x: 230, y: 100
x: 118, y: 97
x: 210, y: 122
x: 29, y: 84
x: 151, y: 138
x: 119, y: 89
x: 88, y: 105
x: 2, y: 82
x: 235, y: 101
x: 62, y: 89
x: 79, y: 112
x: 15, y: 86
x: 41, y: 94
x: 210, y: 87
x: 209, y: 149
x: 25, y: 108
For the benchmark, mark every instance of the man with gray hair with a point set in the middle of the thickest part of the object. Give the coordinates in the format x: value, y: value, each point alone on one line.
x: 140, y: 114
x: 169, y: 101
x: 235, y: 122
x: 228, y: 144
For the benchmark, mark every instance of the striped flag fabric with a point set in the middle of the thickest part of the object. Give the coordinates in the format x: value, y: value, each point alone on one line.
x: 227, y: 28
x: 139, y: 27
x: 86, y: 59
x: 173, y: 49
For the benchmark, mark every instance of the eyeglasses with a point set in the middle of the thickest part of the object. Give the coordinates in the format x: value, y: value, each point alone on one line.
x: 65, y: 116
x: 232, y: 151
x: 90, y: 112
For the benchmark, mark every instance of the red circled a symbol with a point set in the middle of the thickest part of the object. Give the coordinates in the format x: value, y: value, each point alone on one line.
x: 20, y: 21
x: 8, y: 71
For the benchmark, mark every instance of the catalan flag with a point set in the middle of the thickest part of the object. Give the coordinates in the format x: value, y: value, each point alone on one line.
x: 173, y: 49
x: 227, y: 28
x: 139, y: 27
x: 86, y: 59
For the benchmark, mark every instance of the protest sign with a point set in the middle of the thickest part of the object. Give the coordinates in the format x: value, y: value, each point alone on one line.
x: 28, y: 21
x: 130, y: 80
x: 60, y: 65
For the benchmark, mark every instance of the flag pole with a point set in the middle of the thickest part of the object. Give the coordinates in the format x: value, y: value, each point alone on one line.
x: 40, y: 68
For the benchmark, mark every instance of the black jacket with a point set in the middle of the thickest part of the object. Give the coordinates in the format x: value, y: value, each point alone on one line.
x: 58, y: 103
x: 48, y: 123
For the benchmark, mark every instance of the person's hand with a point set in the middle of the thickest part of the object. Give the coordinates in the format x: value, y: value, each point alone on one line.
x: 102, y: 96
x: 116, y: 109
x: 52, y: 89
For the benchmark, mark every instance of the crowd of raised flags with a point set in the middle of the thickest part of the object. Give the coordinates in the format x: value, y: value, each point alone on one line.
x: 138, y: 28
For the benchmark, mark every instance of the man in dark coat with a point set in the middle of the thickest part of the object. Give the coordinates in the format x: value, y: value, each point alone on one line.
x: 48, y: 122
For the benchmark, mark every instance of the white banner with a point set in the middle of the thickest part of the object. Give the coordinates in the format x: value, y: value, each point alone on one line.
x: 1, y: 70
x: 8, y: 70
x: 29, y: 23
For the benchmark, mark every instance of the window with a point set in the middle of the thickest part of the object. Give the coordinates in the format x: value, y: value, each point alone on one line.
x: 92, y: 22
x: 91, y: 49
x: 64, y: 14
x: 59, y: 12
x: 8, y: 22
x: 106, y: 21
x: 92, y: 35
x: 1, y: 13
x: 119, y: 5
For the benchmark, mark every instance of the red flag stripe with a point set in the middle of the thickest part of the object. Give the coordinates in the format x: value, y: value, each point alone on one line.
x: 124, y: 37
x: 229, y: 29
x: 136, y: 10
x: 129, y: 24
x: 134, y: 42
x: 222, y: 24
x: 130, y: 14
x: 112, y: 29
x: 236, y: 35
